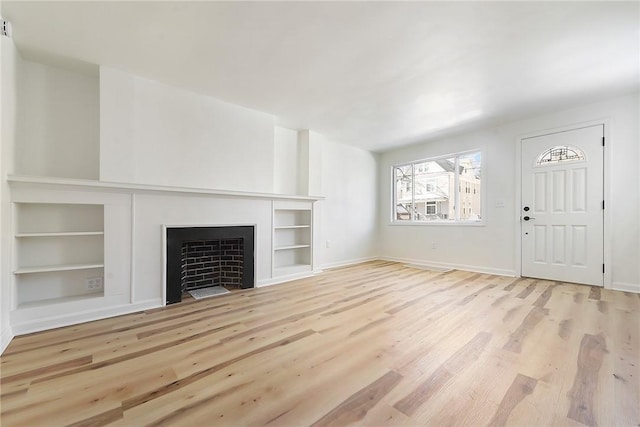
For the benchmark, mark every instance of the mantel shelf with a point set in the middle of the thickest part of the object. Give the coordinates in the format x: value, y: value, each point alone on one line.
x: 145, y: 188
x: 288, y: 227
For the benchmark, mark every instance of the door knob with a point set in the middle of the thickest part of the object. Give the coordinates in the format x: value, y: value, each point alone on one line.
x: 527, y: 218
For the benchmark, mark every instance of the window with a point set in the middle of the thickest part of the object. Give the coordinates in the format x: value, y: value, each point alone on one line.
x: 560, y: 154
x: 439, y: 189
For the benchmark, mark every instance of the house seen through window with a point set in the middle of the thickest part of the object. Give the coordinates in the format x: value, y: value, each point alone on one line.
x: 442, y: 189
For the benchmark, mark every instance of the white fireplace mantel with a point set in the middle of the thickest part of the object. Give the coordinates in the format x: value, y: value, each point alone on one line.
x: 86, y: 184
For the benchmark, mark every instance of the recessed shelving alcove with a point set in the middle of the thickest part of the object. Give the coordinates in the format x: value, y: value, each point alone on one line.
x: 58, y: 247
x: 292, y: 237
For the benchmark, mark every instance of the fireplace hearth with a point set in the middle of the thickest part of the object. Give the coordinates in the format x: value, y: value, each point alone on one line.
x: 200, y: 257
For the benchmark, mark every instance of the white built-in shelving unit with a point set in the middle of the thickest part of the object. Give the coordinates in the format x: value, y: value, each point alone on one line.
x: 292, y: 237
x: 58, y: 248
x: 67, y: 233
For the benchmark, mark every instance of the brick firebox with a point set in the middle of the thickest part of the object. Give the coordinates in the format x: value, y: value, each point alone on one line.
x: 208, y: 256
x: 212, y: 263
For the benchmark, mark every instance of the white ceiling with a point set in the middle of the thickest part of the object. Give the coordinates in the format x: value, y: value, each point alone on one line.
x: 371, y: 74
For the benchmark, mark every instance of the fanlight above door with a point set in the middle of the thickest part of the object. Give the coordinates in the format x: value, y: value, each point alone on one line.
x: 560, y: 154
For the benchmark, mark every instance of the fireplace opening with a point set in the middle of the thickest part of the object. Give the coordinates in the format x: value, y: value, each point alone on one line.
x: 208, y: 263
x: 200, y: 257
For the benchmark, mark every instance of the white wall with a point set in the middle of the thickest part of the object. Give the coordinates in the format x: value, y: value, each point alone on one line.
x: 464, y: 246
x: 285, y: 160
x: 492, y: 247
x: 57, y: 130
x: 9, y: 63
x: 348, y: 216
x: 151, y: 133
x: 317, y: 166
x: 310, y: 163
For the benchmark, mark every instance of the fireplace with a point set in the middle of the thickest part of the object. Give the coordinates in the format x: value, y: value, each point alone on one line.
x: 208, y: 256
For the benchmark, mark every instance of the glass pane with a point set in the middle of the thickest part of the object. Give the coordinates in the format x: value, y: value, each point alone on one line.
x: 403, y: 177
x: 434, y: 186
x: 469, y: 170
x: 560, y: 154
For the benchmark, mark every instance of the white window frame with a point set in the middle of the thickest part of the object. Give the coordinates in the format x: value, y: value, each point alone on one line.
x: 456, y: 185
x: 433, y: 205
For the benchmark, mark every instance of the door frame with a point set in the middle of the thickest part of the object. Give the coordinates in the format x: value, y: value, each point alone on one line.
x: 605, y: 122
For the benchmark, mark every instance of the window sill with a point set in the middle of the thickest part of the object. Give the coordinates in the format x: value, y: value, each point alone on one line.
x: 439, y: 223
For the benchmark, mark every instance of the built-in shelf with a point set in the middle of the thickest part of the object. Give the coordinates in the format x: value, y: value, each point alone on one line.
x: 284, y: 248
x: 51, y: 268
x: 61, y: 234
x: 59, y: 252
x: 61, y: 300
x: 292, y: 236
x: 290, y: 269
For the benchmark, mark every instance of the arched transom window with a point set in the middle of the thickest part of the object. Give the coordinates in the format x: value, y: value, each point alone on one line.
x: 560, y: 154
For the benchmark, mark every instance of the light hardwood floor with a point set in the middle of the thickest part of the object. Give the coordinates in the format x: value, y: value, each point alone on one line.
x: 373, y: 344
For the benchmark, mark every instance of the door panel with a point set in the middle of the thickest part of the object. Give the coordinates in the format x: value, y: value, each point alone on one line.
x: 540, y: 191
x: 579, y: 190
x: 540, y: 232
x: 559, y: 244
x: 562, y: 185
x: 558, y: 184
x: 579, y: 245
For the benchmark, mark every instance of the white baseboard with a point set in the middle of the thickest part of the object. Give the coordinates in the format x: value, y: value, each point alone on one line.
x: 283, y: 279
x: 430, y: 267
x: 27, y: 327
x: 348, y: 262
x: 626, y: 287
x: 5, y: 338
x: 443, y: 265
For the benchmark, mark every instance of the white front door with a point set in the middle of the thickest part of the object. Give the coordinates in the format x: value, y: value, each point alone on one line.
x: 562, y: 206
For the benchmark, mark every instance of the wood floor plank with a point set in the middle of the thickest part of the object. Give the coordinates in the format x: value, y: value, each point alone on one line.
x: 377, y: 343
x: 545, y: 296
x: 102, y: 419
x: 43, y: 370
x: 137, y: 400
x: 527, y: 291
x: 521, y: 387
x: 292, y: 378
x: 475, y: 294
x: 459, y: 360
x: 592, y: 350
x: 477, y: 405
x: 513, y: 284
x: 528, y: 323
x: 594, y: 292
x: 385, y: 415
x: 355, y: 408
x: 624, y: 345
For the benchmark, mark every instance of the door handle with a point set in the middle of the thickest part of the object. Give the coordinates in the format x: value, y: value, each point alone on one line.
x: 527, y: 218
